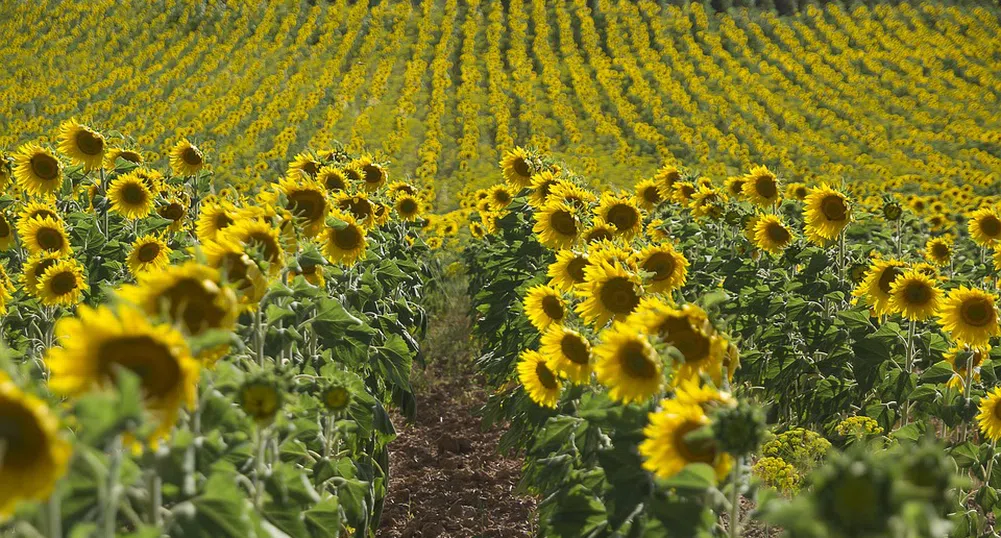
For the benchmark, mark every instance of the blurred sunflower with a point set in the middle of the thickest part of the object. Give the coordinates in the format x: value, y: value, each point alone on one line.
x: 408, y: 207
x: 826, y: 213
x: 557, y: 225
x: 186, y: 159
x: 237, y: 269
x: 374, y: 175
x: 307, y: 201
x: 44, y: 235
x: 307, y: 163
x: 568, y: 353
x: 770, y: 234
x: 970, y: 316
x: 621, y: 212
x: 665, y: 178
x: 668, y: 267
x: 112, y: 155
x: 568, y: 270
x: 83, y: 145
x: 609, y: 292
x: 33, y: 269
x: 312, y: 272
x: 7, y: 236
x: 985, y: 226
x: 688, y: 330
x: 734, y: 186
x: 914, y: 296
x: 628, y: 364
x: 960, y: 358
x: 130, y: 197
x: 35, y: 455
x: 877, y: 285
x: 669, y: 446
x: 62, y: 283
x: 189, y: 296
x: 708, y: 202
x: 97, y: 341
x: 333, y: 179
x: 336, y: 397
x: 343, y: 245
x: 544, y: 306
x: 648, y: 195
x: 542, y: 185
x: 989, y: 417
x: 683, y: 192
x: 938, y: 250
x: 260, y: 399
x: 599, y: 231
x: 540, y: 382
x: 500, y: 197
x: 214, y: 217
x: 258, y: 234
x: 571, y: 194
x: 761, y: 187
x: 797, y: 191
x: 517, y: 167
x: 37, y: 170
x: 148, y: 253
x: 359, y: 206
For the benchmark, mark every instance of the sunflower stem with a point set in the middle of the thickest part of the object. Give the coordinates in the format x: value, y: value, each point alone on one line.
x: 734, y: 527
x: 990, y: 464
x: 259, y: 333
x: 259, y: 466
x: 53, y: 511
x: 909, y: 366
x: 109, y: 517
x: 898, y: 238
x: 155, y: 487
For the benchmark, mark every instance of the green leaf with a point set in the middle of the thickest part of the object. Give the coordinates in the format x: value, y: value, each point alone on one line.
x: 579, y: 513
x: 694, y: 477
x: 323, y: 520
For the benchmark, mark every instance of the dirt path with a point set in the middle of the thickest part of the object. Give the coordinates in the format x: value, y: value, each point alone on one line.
x: 446, y: 478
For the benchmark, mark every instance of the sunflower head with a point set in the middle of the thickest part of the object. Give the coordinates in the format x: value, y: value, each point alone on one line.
x: 260, y: 237
x: 970, y: 316
x: 648, y: 195
x: 34, y: 268
x: 128, y: 155
x: 7, y: 235
x: 337, y: 397
x: 307, y: 163
x: 186, y: 159
x: 667, y: 267
x: 130, y: 196
x: 237, y: 269
x: 260, y: 398
x: 826, y: 213
x: 45, y: 235
x: 568, y: 270
x: 408, y: 206
x: 190, y: 296
x: 568, y: 353
x: 37, y: 170
x: 688, y: 331
x: 307, y: 201
x: 628, y: 364
x: 678, y: 435
x: 610, y: 291
x: 621, y: 212
x: 542, y: 384
x: 344, y: 242
x: 557, y: 225
x: 770, y: 234
x: 149, y: 253
x: 665, y: 179
x: 83, y: 145
x: 877, y: 285
x: 761, y: 187
x: 214, y: 217
x: 914, y: 296
x: 938, y: 251
x: 62, y: 283
x: 373, y: 174
x: 985, y: 226
x: 518, y: 166
x: 544, y: 306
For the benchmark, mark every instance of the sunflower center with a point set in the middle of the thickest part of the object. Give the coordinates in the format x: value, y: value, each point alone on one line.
x: 619, y: 296
x: 801, y: 192
x: 977, y: 312
x: 4, y: 228
x: 997, y: 410
x: 358, y: 206
x: 336, y: 398
x: 703, y: 451
x: 221, y: 221
x: 173, y: 211
x: 148, y: 252
x: 991, y: 226
x: 833, y: 207
x: 347, y: 238
x: 131, y: 156
x: 687, y: 191
x: 651, y: 194
x: 766, y: 187
x: 310, y: 168
x: 521, y: 167
x: 267, y: 244
x: 693, y: 344
x: 373, y: 174
x: 887, y: 279
x: 193, y: 302
x: 635, y: 361
x: 564, y: 223
x: 917, y: 294
x: 623, y: 216
x: 600, y: 233
x: 63, y: 283
x: 502, y: 197
x: 575, y: 348
x: 940, y: 250
x: 553, y: 307
x: 134, y: 194
x: 736, y: 188
x: 546, y: 377
x: 777, y: 233
x: 661, y: 264
x: 191, y: 156
x: 45, y: 166
x: 408, y: 206
x: 50, y: 239
x: 20, y: 435
x: 334, y: 182
x: 308, y: 205
x: 149, y: 359
x: 89, y: 143
x: 260, y: 401
x: 576, y: 269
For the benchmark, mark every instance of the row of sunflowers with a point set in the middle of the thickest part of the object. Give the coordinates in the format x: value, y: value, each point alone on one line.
x: 696, y: 357
x: 184, y: 359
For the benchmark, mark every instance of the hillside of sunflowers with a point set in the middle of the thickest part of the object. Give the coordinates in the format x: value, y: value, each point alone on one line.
x: 582, y: 268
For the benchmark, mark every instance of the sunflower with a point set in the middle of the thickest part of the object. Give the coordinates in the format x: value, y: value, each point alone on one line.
x: 667, y: 447
x: 666, y: 178
x: 542, y: 186
x: 332, y: 178
x: 648, y: 195
x: 568, y: 270
x: 694, y: 392
x: 599, y: 232
x: 826, y: 213
x: 130, y: 197
x: 657, y: 231
x: 40, y: 208
x: 260, y: 399
x: 112, y: 155
x: 359, y: 206
x: 962, y: 357
x: 621, y: 212
x: 989, y: 417
x: 311, y: 272
x: 257, y: 234
x: 517, y: 165
x: 399, y: 188
x: 238, y: 269
x: 374, y: 175
x: 307, y: 163
x: 544, y: 306
x: 45, y: 235
x: 353, y: 173
x: 83, y: 145
x: 307, y: 201
x: 797, y: 191
x: 175, y: 210
x: 97, y: 342
x: 708, y: 202
x: 628, y: 364
x: 877, y: 284
x: 6, y: 288
x: 770, y: 234
x: 914, y: 296
x: 609, y: 252
x: 151, y: 178
x: 336, y: 397
x: 500, y: 197
x: 734, y: 186
x: 985, y: 226
x: 149, y: 253
x: 37, y: 170
x: 62, y: 283
x: 668, y: 267
x: 7, y: 235
x: 938, y: 251
x: 186, y: 159
x: 557, y: 225
x: 35, y: 456
x: 34, y: 268
x: 540, y: 382
x: 683, y: 192
x: 189, y: 296
x: 343, y: 245
x: 214, y: 217
x: 572, y: 194
x: 761, y: 187
x: 408, y: 207
x: 688, y: 330
x: 970, y: 316
x: 568, y: 352
x: 609, y: 292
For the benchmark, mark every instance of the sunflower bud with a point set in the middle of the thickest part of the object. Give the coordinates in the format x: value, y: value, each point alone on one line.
x: 260, y: 399
x: 892, y: 211
x: 739, y: 430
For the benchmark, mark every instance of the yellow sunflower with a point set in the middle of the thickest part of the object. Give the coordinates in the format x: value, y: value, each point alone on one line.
x: 599, y: 232
x: 83, y: 145
x: 708, y: 202
x: 35, y: 455
x: 408, y: 207
x: 628, y: 364
x: 621, y: 212
x: 332, y: 178
x: 688, y: 330
x: 667, y: 448
x: 542, y: 186
x: 214, y: 217
x: 960, y: 358
x: 734, y: 186
x: 938, y: 251
x: 97, y: 342
x: 374, y: 175
x: 130, y: 197
x: 914, y: 296
x: 797, y: 191
x: 568, y: 353
x: 34, y: 268
x: 568, y: 270
x: 539, y: 381
x: 7, y: 235
x: 359, y: 206
x: 970, y: 316
x: 826, y: 213
x: 39, y: 208
x: 648, y: 194
x: 62, y: 283
x: 517, y: 167
x: 544, y: 306
x: 557, y: 225
x: 175, y: 210
x: 668, y: 267
x: 683, y: 193
x: 312, y: 272
x: 37, y: 170
x: 666, y: 178
x: 344, y: 244
x: 572, y: 194
x: 186, y: 159
x: 500, y: 197
x: 258, y: 234
x: 307, y: 201
x: 609, y: 292
x: 770, y: 234
x: 761, y: 187
x: 149, y: 253
x: 45, y: 235
x: 694, y: 392
x: 876, y: 286
x: 399, y: 188
x: 237, y: 269
x: 307, y: 163
x: 112, y: 155
x: 989, y: 417
x: 985, y: 226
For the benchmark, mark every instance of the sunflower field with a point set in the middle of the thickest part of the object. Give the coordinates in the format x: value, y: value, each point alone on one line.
x: 733, y: 266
